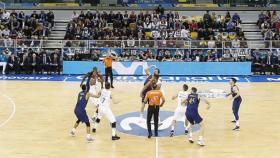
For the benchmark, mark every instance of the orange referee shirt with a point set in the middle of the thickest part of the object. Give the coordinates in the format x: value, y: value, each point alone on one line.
x: 108, y: 62
x: 154, y: 97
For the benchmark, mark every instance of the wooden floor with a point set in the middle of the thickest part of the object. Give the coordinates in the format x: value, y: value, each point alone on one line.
x: 44, y: 116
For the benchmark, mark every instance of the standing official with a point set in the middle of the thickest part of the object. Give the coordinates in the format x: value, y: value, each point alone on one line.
x: 156, y: 100
x: 108, y: 60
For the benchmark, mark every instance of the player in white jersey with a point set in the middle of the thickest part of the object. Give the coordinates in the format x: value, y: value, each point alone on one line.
x: 94, y: 89
x: 105, y: 97
x: 179, y: 114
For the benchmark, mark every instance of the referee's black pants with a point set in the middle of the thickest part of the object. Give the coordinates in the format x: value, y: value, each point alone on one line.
x: 153, y: 111
x: 109, y: 72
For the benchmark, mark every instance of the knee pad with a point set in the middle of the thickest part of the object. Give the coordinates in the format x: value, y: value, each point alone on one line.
x: 114, y: 125
x: 78, y: 121
x: 87, y: 124
x: 96, y: 111
x: 97, y: 120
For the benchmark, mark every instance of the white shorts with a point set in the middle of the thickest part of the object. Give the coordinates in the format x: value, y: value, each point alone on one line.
x: 107, y: 112
x: 179, y: 114
x: 95, y: 101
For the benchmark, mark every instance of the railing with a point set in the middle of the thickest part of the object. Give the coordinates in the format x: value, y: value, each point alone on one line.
x: 90, y: 46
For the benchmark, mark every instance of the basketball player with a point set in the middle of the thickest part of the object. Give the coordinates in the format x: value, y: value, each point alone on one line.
x: 96, y: 76
x: 236, y: 97
x: 104, y: 109
x: 155, y: 99
x: 179, y: 113
x: 148, y: 86
x: 81, y: 114
x: 94, y: 89
x: 193, y: 116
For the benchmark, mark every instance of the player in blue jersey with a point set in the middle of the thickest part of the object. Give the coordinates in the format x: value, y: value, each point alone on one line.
x: 192, y: 115
x: 151, y: 79
x: 236, y: 97
x: 81, y: 114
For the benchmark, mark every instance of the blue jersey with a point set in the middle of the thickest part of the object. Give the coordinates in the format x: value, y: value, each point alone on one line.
x: 148, y: 79
x: 233, y: 93
x: 193, y: 103
x: 82, y: 101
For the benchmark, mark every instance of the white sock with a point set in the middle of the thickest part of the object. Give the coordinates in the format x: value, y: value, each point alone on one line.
x: 190, y: 135
x: 113, y: 131
x: 237, y: 123
x: 200, y: 138
x: 95, y: 125
x: 88, y: 136
x: 94, y: 115
x: 73, y: 130
x: 172, y: 128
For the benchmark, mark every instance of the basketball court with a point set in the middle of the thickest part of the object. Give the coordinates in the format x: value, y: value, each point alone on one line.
x: 36, y: 117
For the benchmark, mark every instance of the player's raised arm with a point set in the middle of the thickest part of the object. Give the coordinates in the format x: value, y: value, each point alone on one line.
x: 147, y: 70
x: 84, y: 78
x: 101, y: 80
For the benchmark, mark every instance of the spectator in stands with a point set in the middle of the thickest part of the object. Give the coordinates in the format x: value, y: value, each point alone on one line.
x: 12, y: 64
x: 24, y: 63
x: 3, y: 61
x: 160, y: 10
x: 270, y: 63
x: 236, y: 18
x: 227, y: 17
x: 178, y: 56
x: 274, y: 19
x: 268, y: 35
x: 34, y: 63
x: 55, y: 64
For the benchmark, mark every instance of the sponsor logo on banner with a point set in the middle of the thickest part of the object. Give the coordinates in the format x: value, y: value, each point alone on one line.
x: 129, y: 70
x: 274, y: 79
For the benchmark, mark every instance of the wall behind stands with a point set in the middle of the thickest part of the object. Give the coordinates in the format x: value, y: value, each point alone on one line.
x: 166, y: 68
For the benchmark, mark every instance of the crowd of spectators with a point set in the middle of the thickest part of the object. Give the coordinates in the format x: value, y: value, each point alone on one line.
x: 152, y: 25
x: 18, y: 25
x: 30, y: 61
x: 269, y: 23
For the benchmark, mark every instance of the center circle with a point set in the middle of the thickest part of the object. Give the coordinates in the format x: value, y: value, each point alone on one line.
x: 132, y: 124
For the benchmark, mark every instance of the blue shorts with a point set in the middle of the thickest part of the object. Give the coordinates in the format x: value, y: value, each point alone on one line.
x: 193, y: 118
x: 82, y: 115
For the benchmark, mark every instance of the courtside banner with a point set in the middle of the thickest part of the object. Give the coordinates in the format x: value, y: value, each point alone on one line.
x: 166, y: 68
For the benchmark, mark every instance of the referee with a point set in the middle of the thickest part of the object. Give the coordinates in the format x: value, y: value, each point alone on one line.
x: 155, y: 99
x: 108, y: 60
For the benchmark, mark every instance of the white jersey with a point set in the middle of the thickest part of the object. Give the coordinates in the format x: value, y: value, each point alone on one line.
x: 105, y: 97
x: 94, y: 89
x: 182, y: 95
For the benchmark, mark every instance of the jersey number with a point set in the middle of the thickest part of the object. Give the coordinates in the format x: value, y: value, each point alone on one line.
x: 191, y: 100
x: 103, y: 100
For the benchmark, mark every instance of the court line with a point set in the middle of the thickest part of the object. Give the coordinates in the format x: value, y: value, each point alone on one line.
x: 157, y: 148
x: 14, y: 110
x: 246, y: 78
x: 65, y: 79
